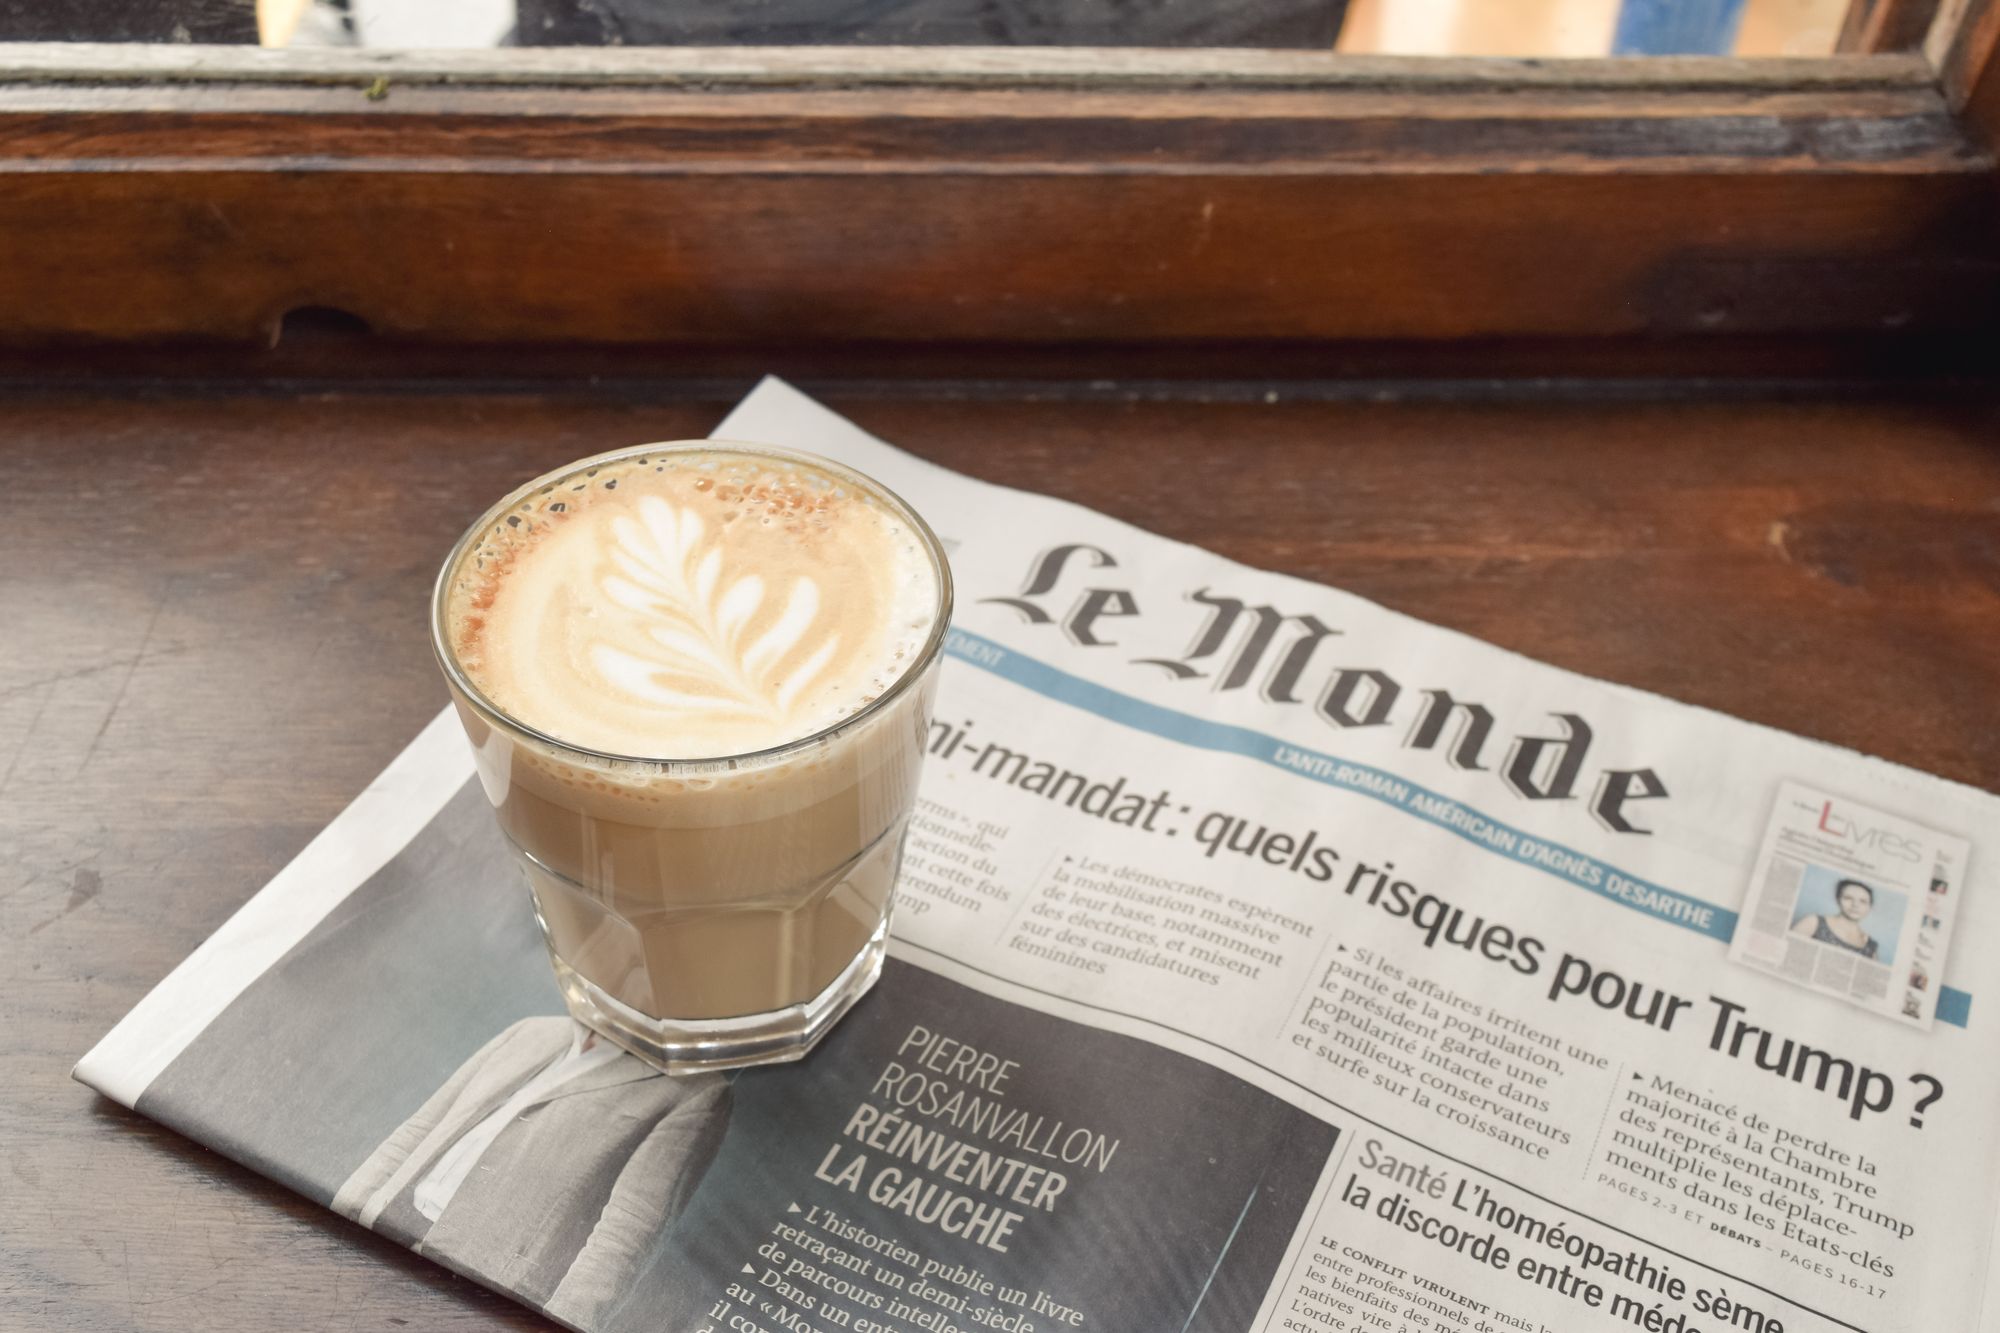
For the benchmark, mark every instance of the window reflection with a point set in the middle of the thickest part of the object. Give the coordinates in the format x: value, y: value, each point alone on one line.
x: 1592, y: 27
x: 1525, y: 28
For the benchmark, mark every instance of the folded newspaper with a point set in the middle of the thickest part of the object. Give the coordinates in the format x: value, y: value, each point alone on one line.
x: 1264, y: 960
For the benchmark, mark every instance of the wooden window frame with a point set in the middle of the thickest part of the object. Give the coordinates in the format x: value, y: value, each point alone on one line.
x: 888, y: 196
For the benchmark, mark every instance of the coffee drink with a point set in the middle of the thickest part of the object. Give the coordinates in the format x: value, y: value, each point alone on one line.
x: 697, y: 678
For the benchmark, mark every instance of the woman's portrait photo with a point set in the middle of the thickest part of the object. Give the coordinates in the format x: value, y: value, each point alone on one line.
x: 1842, y: 911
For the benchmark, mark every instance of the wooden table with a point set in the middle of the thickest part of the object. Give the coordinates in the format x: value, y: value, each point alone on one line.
x: 213, y: 608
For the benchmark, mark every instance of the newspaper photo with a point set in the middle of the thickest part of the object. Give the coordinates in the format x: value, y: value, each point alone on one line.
x: 1262, y: 960
x: 1853, y: 902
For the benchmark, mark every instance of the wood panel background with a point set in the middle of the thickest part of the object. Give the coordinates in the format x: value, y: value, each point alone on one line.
x: 716, y: 197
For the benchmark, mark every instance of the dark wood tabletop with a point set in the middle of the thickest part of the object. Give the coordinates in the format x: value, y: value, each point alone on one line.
x: 212, y: 635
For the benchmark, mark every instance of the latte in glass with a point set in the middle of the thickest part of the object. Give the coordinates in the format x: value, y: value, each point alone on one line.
x: 697, y: 678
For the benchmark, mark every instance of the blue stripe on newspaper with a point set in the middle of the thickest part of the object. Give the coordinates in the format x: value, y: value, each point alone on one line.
x: 1586, y: 872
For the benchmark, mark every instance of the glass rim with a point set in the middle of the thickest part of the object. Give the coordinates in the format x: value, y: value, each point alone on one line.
x: 463, y: 686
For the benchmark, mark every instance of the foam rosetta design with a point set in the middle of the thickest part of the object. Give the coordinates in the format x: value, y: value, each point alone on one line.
x: 695, y: 650
x: 691, y: 604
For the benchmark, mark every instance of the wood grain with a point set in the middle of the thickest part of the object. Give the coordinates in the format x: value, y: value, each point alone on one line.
x: 1044, y: 67
x: 777, y: 202
x: 214, y: 637
x: 322, y: 349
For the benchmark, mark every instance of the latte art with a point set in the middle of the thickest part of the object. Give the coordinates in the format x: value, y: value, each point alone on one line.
x: 669, y: 574
x: 669, y: 607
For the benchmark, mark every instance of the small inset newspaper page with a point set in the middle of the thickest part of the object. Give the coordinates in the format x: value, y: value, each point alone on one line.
x: 1852, y: 902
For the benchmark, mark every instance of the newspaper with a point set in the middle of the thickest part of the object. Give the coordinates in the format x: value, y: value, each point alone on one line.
x: 1263, y: 960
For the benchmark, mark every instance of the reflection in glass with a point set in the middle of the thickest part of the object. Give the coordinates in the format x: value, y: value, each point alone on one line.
x: 1517, y: 28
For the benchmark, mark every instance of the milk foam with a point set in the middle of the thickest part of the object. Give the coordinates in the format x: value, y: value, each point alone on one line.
x: 692, y: 604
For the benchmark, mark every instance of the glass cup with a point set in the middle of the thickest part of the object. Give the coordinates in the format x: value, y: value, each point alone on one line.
x: 716, y: 912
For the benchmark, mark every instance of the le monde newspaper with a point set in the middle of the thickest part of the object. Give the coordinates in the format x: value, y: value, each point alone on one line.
x: 1263, y: 960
